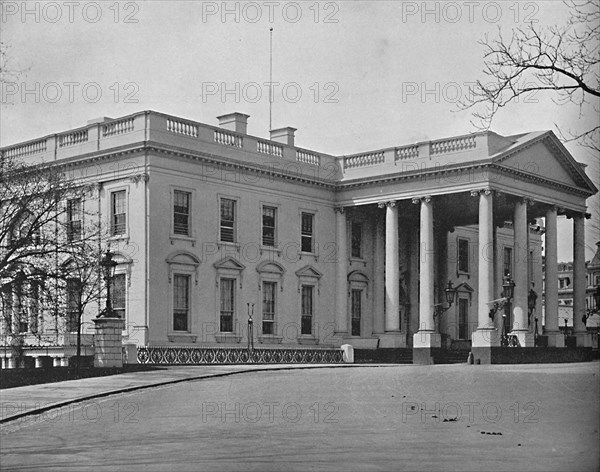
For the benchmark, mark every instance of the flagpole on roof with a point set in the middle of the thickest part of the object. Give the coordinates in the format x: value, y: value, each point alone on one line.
x: 271, y: 80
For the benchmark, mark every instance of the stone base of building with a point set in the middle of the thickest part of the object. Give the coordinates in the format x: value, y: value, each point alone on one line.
x: 392, y: 339
x: 108, y: 342
x: 361, y: 343
x: 425, y: 345
x: 555, y: 339
x: 485, y: 338
x: 583, y: 339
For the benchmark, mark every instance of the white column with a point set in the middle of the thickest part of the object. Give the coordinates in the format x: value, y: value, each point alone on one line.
x: 392, y: 276
x: 426, y: 294
x: 555, y: 337
x: 520, y: 276
x: 579, y: 280
x: 341, y: 304
x: 379, y: 275
x: 486, y: 259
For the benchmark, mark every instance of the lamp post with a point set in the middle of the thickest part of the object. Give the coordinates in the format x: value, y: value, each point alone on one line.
x: 108, y: 265
x: 449, y: 293
x: 250, y: 327
x: 508, y: 288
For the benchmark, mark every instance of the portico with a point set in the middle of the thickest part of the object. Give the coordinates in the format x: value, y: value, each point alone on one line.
x: 518, y: 190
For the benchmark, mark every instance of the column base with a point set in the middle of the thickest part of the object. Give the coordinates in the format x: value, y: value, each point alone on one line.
x: 485, y: 337
x: 555, y: 339
x: 583, y: 339
x: 425, y: 343
x: 392, y: 339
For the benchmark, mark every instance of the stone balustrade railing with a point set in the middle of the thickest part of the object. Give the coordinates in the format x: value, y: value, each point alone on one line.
x: 406, y: 152
x: 73, y: 138
x: 182, y: 127
x: 26, y: 149
x: 308, y: 157
x: 265, y: 147
x: 362, y: 160
x: 229, y: 139
x: 453, y: 145
x: 118, y: 127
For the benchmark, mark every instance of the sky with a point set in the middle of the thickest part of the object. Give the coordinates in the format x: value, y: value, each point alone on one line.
x: 353, y: 75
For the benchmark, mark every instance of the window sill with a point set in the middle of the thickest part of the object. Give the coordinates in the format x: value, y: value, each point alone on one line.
x: 311, y: 254
x: 181, y: 338
x: 274, y: 249
x: 358, y: 260
x: 227, y: 338
x: 307, y: 340
x: 182, y: 237
x: 220, y: 244
x: 270, y: 339
x: 119, y: 237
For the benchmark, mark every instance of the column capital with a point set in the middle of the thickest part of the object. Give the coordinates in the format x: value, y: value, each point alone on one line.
x: 525, y: 200
x: 339, y: 210
x: 389, y: 204
x: 485, y: 191
x: 425, y: 199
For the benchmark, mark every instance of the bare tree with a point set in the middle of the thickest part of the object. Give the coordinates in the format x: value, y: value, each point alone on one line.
x: 41, y: 226
x: 563, y: 61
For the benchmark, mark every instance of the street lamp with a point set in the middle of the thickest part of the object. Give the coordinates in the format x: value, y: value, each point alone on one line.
x: 449, y: 292
x: 508, y: 289
x: 108, y: 265
x: 250, y: 327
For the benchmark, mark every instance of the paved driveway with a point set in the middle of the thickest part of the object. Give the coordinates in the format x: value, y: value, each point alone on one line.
x: 457, y: 417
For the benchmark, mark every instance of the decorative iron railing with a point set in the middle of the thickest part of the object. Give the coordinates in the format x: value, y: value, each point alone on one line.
x: 172, y: 355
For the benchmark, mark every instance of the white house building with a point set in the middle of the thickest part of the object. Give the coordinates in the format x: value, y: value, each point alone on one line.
x: 211, y: 225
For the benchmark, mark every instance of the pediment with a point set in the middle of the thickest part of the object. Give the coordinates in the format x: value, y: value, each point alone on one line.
x: 229, y: 263
x: 183, y: 257
x: 545, y: 157
x: 270, y: 267
x: 464, y: 287
x: 309, y: 271
x: 358, y: 276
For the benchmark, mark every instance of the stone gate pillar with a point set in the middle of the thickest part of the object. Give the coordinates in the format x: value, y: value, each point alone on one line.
x: 108, y: 342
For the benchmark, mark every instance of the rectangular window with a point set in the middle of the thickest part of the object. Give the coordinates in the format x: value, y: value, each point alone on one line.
x: 74, y: 220
x: 356, y: 240
x: 463, y: 255
x: 181, y: 212
x: 181, y: 302
x: 307, y: 309
x: 34, y: 305
x: 268, y: 226
x: 73, y: 296
x: 307, y: 232
x: 507, y: 262
x: 118, y: 212
x: 463, y: 318
x: 227, y: 220
x: 268, y: 307
x: 20, y: 308
x: 118, y: 294
x: 227, y: 305
x: 356, y: 311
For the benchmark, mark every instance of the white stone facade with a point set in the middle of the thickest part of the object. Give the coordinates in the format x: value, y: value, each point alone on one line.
x: 427, y: 214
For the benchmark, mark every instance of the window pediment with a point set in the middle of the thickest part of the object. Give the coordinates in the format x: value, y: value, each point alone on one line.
x: 184, y: 258
x: 270, y: 267
x: 229, y: 263
x: 309, y: 271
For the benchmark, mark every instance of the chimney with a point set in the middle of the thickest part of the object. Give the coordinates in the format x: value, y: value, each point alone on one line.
x: 237, y: 122
x: 283, y: 135
x: 102, y: 119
